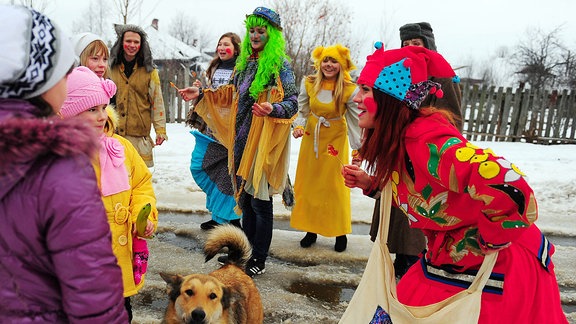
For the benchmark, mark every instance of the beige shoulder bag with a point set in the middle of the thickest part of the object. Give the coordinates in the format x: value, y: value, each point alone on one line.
x: 378, y: 287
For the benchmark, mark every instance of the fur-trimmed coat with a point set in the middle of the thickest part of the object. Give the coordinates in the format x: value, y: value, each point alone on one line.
x: 54, y: 239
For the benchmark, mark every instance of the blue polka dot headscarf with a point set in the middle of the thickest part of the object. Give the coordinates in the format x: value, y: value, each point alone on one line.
x: 403, y: 73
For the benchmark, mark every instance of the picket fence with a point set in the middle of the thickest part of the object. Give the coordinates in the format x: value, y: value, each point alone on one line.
x: 490, y: 113
x: 533, y: 116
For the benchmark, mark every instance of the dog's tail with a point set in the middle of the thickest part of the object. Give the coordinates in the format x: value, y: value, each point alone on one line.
x: 232, y: 237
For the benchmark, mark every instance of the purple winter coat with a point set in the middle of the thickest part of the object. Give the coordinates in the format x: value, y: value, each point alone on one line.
x: 56, y: 260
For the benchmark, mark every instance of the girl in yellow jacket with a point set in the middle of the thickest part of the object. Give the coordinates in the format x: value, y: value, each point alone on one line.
x: 123, y: 178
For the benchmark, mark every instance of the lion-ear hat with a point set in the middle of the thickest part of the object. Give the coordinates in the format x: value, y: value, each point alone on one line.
x: 338, y: 52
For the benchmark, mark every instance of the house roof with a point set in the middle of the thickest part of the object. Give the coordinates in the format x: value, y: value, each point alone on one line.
x: 166, y: 47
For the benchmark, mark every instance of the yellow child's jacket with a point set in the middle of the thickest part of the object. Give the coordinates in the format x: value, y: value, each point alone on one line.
x: 122, y: 208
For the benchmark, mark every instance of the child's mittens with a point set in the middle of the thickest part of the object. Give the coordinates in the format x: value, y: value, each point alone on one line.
x: 140, y: 261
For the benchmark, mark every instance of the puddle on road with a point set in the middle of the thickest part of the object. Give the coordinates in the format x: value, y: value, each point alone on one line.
x: 183, y: 241
x: 151, y: 300
x: 331, y: 293
x: 279, y: 223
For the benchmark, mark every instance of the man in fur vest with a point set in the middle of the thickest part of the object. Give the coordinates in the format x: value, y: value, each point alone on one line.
x: 139, y: 100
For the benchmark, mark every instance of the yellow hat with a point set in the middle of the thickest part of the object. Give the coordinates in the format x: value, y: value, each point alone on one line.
x: 338, y: 52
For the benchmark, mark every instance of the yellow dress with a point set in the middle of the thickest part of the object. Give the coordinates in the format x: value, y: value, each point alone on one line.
x: 322, y: 201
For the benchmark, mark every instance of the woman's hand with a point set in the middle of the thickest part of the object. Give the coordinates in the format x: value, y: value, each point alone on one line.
x: 189, y: 93
x: 355, y: 177
x: 197, y: 84
x: 298, y: 132
x: 261, y: 110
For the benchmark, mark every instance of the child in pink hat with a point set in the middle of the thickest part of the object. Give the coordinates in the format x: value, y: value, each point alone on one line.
x: 124, y: 180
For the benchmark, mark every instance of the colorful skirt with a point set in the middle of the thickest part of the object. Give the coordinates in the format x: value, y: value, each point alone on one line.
x: 209, y: 168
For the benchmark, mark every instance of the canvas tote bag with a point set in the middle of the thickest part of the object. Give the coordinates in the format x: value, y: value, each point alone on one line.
x: 378, y: 287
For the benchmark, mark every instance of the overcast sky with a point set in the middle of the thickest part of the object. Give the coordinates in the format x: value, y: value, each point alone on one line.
x: 463, y: 29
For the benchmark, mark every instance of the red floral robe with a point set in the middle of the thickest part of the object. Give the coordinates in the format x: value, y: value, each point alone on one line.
x: 469, y: 201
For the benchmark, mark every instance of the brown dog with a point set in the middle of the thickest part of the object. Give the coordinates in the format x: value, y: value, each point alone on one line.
x: 227, y: 295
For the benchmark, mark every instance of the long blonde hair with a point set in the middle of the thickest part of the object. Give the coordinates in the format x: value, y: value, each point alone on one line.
x: 317, y: 79
x: 340, y: 54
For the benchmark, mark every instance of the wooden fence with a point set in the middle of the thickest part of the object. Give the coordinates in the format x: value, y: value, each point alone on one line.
x: 490, y: 113
x: 179, y: 73
x: 533, y: 116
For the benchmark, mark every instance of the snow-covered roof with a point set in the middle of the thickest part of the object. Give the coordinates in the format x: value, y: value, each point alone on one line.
x: 166, y: 47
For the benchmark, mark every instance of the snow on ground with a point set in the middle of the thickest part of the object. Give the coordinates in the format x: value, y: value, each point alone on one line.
x: 551, y: 171
x: 314, y: 285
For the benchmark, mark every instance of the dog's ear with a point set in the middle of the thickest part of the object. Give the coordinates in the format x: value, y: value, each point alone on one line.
x: 226, y: 299
x: 230, y: 297
x: 171, y: 278
x: 174, y: 283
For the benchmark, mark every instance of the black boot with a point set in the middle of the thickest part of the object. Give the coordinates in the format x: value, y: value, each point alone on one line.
x: 308, y: 240
x: 341, y: 242
x: 209, y: 225
x: 236, y: 222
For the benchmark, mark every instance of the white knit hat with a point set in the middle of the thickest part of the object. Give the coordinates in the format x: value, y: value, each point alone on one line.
x: 34, y: 53
x: 81, y: 41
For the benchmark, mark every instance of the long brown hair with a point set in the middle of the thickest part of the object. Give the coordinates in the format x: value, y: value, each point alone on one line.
x: 216, y: 60
x: 383, y: 146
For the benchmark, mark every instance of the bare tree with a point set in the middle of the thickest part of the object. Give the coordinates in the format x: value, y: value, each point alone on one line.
x: 538, y: 59
x: 184, y: 28
x: 388, y: 36
x: 308, y: 24
x: 95, y: 18
x: 127, y: 8
x: 567, y: 76
x: 38, y: 5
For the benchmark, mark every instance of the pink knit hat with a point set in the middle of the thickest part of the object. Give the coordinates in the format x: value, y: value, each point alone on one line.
x: 85, y: 91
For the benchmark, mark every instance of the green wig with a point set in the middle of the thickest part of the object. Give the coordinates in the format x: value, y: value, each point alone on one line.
x: 270, y: 59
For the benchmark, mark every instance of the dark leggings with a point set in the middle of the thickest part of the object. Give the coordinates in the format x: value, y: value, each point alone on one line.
x: 128, y: 307
x: 257, y: 222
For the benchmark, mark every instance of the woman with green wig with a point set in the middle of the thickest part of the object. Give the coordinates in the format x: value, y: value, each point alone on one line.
x: 256, y: 129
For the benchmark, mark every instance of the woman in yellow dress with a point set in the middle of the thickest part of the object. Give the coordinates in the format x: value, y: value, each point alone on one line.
x: 327, y: 118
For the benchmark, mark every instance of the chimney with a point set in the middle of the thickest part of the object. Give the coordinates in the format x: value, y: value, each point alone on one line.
x: 155, y: 23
